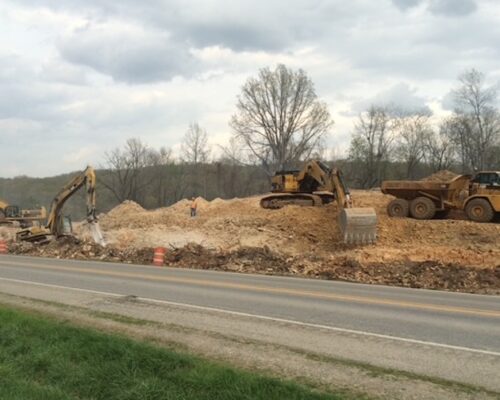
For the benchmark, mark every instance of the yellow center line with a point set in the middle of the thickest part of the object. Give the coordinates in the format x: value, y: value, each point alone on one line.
x: 263, y: 289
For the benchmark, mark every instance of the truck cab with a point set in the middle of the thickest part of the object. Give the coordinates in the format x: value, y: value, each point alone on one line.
x: 487, y: 178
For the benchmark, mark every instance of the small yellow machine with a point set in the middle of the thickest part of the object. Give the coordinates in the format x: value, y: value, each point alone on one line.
x: 11, y: 213
x: 317, y: 184
x: 56, y: 225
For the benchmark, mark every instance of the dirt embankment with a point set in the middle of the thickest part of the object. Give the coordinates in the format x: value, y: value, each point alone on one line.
x: 238, y: 235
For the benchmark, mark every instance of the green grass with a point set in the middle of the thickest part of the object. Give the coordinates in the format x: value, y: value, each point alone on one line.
x: 41, y: 358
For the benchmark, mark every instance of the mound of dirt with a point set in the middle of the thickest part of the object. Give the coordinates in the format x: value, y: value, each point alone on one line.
x: 239, y: 235
x: 292, y: 231
x: 124, y: 210
x: 72, y: 248
x: 7, y: 232
x: 441, y: 176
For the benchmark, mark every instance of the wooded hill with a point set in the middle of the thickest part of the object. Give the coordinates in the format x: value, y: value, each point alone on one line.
x: 163, y: 185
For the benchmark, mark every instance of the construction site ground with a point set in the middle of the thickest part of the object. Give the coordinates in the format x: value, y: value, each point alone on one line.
x: 238, y: 235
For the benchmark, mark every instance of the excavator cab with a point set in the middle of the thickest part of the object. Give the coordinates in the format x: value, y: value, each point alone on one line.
x: 285, y: 181
x: 66, y: 226
x: 12, y: 211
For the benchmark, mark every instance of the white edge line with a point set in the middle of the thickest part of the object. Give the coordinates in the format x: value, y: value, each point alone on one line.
x: 262, y: 317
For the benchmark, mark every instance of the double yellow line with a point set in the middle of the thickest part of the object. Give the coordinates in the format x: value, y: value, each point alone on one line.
x: 261, y: 289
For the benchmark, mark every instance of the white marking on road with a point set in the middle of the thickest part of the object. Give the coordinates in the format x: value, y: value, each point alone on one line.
x: 265, y: 318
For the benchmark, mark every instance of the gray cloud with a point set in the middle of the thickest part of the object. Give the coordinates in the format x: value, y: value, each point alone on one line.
x: 400, y: 96
x: 22, y: 94
x: 452, y: 8
x: 81, y: 77
x: 406, y: 4
x: 136, y: 57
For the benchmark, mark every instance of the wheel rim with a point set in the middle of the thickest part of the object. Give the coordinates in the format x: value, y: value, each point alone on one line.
x: 397, y: 209
x: 477, y: 211
x: 421, y: 209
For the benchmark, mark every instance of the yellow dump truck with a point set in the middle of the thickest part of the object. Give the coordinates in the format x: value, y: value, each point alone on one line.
x: 12, y: 213
x: 478, y: 196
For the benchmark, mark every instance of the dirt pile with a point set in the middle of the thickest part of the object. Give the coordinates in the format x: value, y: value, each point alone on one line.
x: 8, y: 232
x: 425, y: 274
x: 72, y: 248
x: 441, y: 176
x: 297, y: 231
x: 239, y: 235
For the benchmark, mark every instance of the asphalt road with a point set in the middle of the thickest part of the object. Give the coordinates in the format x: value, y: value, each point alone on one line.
x: 452, y: 336
x: 450, y: 319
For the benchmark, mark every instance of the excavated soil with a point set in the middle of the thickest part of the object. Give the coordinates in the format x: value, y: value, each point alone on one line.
x: 441, y: 176
x: 238, y: 235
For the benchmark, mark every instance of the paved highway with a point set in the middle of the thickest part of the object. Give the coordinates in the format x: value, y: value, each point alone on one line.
x: 443, y: 321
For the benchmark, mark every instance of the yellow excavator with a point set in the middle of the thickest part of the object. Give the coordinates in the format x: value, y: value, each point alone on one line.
x: 58, y: 226
x: 317, y: 184
x: 11, y: 213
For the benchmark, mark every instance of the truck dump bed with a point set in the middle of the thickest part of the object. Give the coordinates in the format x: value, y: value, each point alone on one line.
x: 445, y: 192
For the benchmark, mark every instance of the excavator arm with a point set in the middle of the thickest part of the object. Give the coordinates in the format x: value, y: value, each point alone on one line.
x: 88, y: 179
x: 327, y: 179
x: 357, y: 224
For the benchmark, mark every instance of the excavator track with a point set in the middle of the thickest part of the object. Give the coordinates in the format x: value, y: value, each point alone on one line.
x: 279, y: 200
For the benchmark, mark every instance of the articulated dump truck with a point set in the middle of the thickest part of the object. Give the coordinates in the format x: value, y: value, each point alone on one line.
x: 478, y: 197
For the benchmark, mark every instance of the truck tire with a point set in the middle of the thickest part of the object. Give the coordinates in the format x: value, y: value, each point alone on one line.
x: 398, y: 208
x: 422, y: 208
x: 479, y: 210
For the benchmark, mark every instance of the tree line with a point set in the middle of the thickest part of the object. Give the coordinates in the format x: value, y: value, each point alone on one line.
x: 279, y: 122
x: 466, y: 141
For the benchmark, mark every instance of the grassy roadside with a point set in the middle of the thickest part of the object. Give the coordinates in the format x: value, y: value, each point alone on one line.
x: 41, y: 358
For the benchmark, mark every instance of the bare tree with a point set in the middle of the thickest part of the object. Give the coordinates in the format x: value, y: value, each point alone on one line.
x: 439, y: 150
x: 164, y: 181
x: 195, y: 153
x: 233, y: 152
x: 370, y: 146
x: 194, y: 147
x: 413, y: 134
x: 127, y: 170
x: 280, y: 118
x: 476, y: 120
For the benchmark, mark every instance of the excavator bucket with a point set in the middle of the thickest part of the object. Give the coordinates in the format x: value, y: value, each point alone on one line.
x: 358, y: 225
x: 95, y: 232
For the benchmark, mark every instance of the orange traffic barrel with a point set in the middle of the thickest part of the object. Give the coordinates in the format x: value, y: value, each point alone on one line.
x: 159, y: 256
x: 3, y: 247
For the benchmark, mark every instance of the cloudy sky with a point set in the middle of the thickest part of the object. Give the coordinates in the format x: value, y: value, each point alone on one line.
x: 78, y: 78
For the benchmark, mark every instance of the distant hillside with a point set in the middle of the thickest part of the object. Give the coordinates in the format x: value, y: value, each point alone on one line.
x: 152, y: 187
x: 162, y: 185
x: 29, y: 192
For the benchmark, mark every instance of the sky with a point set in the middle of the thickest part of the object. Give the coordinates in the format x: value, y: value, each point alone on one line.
x: 78, y: 78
